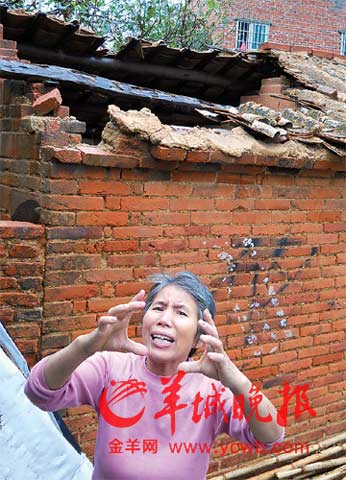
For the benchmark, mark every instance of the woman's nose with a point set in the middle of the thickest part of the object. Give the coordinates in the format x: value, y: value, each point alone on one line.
x: 166, y: 317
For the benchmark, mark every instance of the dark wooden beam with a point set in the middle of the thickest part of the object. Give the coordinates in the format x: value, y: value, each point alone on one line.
x: 110, y: 66
x: 113, y: 88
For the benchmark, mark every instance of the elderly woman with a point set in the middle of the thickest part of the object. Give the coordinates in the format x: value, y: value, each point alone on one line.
x: 159, y: 411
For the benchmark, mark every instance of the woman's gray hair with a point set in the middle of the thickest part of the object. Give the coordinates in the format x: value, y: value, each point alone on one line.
x: 192, y: 285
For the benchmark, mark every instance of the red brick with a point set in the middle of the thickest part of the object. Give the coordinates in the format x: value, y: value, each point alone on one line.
x: 97, y: 157
x: 234, y: 204
x: 181, y: 258
x: 74, y: 233
x: 9, y: 229
x: 112, y: 203
x: 7, y: 314
x: 55, y: 341
x: 272, y: 204
x: 209, y: 218
x: 24, y: 299
x: 23, y: 251
x: 168, y: 154
x: 27, y: 346
x: 73, y: 202
x: 8, y: 283
x: 24, y: 330
x: 137, y: 232
x: 47, y: 102
x: 199, y: 177
x: 167, y: 189
x: 163, y: 245
x: 140, y: 204
x: 66, y: 187
x: 66, y: 155
x: 102, y: 218
x: 111, y: 188
x: 8, y: 53
x: 132, y: 259
x: 296, y: 365
x: 166, y: 218
x: 332, y: 357
x: 70, y: 262
x: 198, y: 156
x: 101, y: 305
x: 118, y: 245
x: 192, y: 204
x: 56, y: 294
x: 108, y: 275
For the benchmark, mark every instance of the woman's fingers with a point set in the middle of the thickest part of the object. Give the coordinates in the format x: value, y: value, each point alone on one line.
x: 213, y: 342
x: 137, y: 348
x: 216, y: 357
x: 209, y: 320
x: 125, y: 308
x: 208, y: 329
x: 139, y: 296
x: 190, y: 367
x: 107, y: 320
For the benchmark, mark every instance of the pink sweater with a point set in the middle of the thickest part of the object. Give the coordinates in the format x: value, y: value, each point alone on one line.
x: 138, y: 435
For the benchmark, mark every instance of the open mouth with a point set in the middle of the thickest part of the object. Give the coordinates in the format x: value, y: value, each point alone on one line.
x: 161, y: 340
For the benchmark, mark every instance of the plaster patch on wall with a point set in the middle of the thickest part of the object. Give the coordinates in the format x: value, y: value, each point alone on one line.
x: 283, y: 323
x: 250, y: 339
x: 271, y: 290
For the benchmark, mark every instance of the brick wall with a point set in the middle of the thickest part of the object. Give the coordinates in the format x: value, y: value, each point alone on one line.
x: 270, y: 244
x: 21, y: 284
x: 295, y: 22
x: 269, y: 241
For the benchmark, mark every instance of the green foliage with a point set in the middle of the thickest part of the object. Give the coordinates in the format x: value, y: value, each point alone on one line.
x: 180, y: 23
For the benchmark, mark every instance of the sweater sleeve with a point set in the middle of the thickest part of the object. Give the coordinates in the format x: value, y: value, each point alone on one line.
x: 84, y: 386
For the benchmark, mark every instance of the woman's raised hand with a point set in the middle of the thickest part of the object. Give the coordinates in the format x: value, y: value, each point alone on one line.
x: 112, y: 331
x: 214, y: 363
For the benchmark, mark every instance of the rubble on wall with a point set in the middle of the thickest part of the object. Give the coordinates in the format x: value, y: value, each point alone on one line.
x: 237, y: 142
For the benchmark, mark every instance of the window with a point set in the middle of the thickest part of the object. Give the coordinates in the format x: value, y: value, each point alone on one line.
x: 251, y: 34
x: 343, y: 43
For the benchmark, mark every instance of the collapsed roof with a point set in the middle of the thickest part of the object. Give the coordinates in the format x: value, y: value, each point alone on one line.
x: 182, y: 86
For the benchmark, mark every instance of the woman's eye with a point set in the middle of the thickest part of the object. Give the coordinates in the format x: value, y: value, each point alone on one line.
x: 182, y: 313
x: 158, y: 308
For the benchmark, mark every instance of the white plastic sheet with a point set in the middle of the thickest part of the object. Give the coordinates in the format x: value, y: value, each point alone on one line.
x: 31, y: 446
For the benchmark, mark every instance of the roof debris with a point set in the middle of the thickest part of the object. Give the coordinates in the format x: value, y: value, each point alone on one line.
x: 178, y: 86
x: 234, y: 143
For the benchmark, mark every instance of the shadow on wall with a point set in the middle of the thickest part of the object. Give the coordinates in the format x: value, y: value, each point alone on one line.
x: 28, y: 211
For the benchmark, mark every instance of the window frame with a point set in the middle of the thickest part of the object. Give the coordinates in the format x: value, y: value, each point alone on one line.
x: 252, y: 24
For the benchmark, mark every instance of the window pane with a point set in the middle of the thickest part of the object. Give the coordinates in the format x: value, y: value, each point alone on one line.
x: 242, y: 33
x: 343, y: 44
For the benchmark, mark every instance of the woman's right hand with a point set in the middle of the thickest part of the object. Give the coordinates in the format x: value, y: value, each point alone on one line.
x: 112, y: 331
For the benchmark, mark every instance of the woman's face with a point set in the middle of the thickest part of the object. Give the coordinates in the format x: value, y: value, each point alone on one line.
x: 169, y: 329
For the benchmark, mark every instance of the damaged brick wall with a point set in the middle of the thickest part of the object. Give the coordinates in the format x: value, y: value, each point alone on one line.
x: 316, y: 24
x: 270, y: 241
x: 21, y: 285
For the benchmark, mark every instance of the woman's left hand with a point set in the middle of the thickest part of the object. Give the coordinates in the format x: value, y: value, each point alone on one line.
x: 214, y: 363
